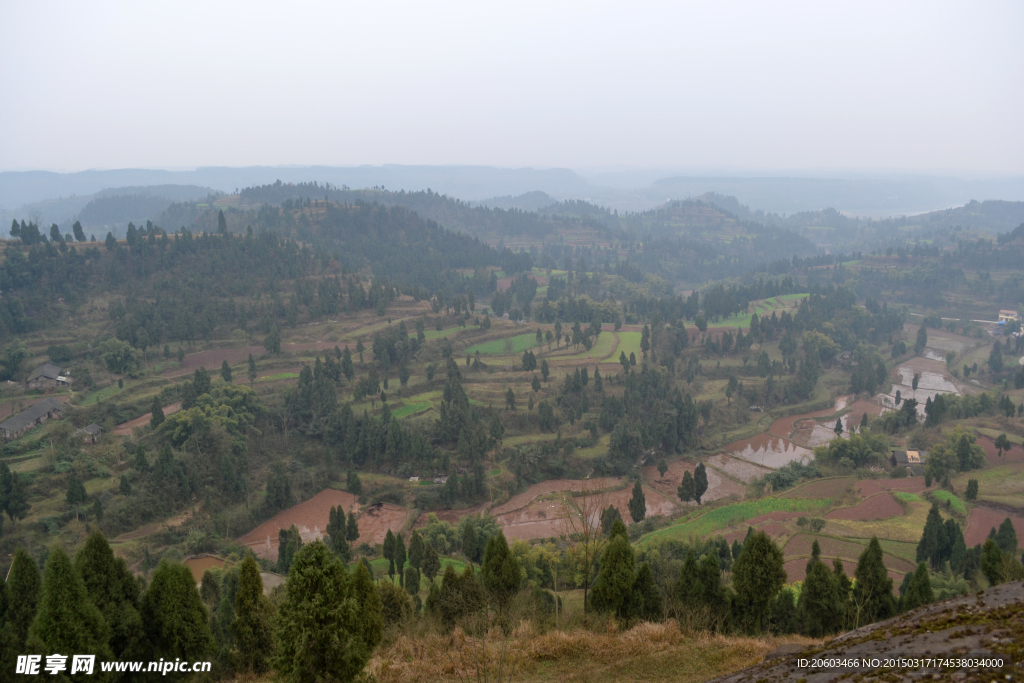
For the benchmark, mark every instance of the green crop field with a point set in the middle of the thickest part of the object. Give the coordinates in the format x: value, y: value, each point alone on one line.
x: 629, y: 342
x: 497, y: 347
x: 603, y: 349
x: 907, y: 497
x: 434, y: 334
x: 954, y: 502
x: 719, y: 518
x: 277, y: 376
x: 411, y: 408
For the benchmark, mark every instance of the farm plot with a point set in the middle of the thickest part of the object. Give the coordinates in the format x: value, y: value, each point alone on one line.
x: 1002, y: 485
x: 826, y: 488
x: 310, y: 517
x: 906, y: 527
x: 1015, y: 454
x: 734, y: 467
x: 879, y: 506
x: 212, y: 359
x: 509, y: 345
x: 738, y: 513
x: 982, y: 520
x: 768, y: 451
x: 554, y: 486
x: 718, y: 486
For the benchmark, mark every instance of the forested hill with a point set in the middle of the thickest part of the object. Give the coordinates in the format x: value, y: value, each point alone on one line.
x: 394, y: 241
x: 451, y: 213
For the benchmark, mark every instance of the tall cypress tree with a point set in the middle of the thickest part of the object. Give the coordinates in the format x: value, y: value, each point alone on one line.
x: 933, y: 538
x: 115, y: 592
x: 872, y: 593
x: 689, y: 590
x: 67, y: 621
x: 400, y: 557
x: 251, y: 629
x: 615, y: 578
x: 638, y: 504
x: 700, y: 482
x: 645, y: 601
x: 499, y: 572
x: 759, y: 574
x: 174, y: 615
x: 320, y: 636
x: 919, y: 591
x: 431, y: 562
x: 23, y: 586
x: 367, y: 597
x: 389, y: 552
x: 351, y: 528
x: 416, y: 550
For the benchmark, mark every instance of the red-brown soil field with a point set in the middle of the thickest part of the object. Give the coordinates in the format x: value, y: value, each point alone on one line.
x: 212, y: 359
x: 881, y: 506
x: 981, y: 522
x: 908, y: 485
x: 828, y: 488
x: 718, y: 486
x: 310, y: 517
x: 1015, y: 454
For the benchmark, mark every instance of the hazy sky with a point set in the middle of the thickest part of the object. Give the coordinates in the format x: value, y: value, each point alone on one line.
x: 782, y: 85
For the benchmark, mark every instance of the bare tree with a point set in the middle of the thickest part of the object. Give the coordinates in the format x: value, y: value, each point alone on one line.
x: 579, y: 521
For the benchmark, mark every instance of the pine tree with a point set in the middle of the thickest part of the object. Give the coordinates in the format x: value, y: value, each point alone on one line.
x: 645, y: 602
x: 819, y: 600
x: 251, y: 629
x: 759, y: 574
x: 469, y: 540
x: 175, y: 618
x: 1006, y: 538
x: 23, y: 587
x: 689, y: 590
x: 431, y: 562
x: 322, y: 634
x: 353, y: 484
x: 933, y: 538
x: 66, y: 620
x: 115, y: 592
x: 700, y: 482
x: 614, y: 582
x: 336, y: 533
x: 400, y: 558
x: 351, y: 528
x: 872, y: 593
x: 499, y: 572
x: 992, y: 563
x: 225, y: 371
x: 371, y: 619
x: 638, y: 504
x: 289, y: 542
x: 972, y: 490
x: 251, y: 373
x: 389, y: 552
x: 76, y: 494
x: 687, y: 490
x: 416, y: 550
x: 919, y: 591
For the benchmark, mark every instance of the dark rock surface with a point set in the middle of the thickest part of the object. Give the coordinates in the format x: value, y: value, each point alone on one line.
x: 990, y: 623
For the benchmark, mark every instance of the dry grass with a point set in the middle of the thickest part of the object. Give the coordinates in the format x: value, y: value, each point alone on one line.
x: 647, y: 652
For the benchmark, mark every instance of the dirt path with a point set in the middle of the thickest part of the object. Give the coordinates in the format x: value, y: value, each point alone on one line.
x: 125, y: 428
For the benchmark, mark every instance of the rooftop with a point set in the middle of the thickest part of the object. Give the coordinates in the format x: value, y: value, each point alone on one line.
x: 47, y: 370
x: 31, y: 414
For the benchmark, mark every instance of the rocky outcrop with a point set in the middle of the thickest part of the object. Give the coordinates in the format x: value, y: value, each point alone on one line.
x: 988, y: 624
